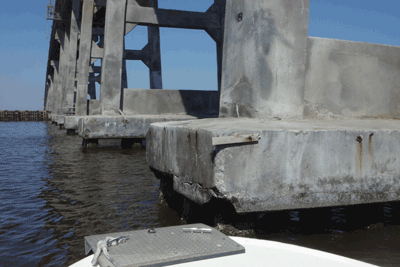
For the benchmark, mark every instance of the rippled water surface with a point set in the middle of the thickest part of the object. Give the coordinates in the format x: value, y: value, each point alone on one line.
x: 53, y: 193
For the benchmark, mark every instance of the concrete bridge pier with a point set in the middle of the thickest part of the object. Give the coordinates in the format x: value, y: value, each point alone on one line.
x: 126, y: 114
x: 303, y: 122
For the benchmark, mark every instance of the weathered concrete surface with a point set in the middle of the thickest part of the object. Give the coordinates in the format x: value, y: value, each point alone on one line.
x: 264, y: 59
x: 111, y: 127
x: 94, y: 107
x: 351, y: 79
x: 54, y: 117
x: 111, y: 72
x: 85, y: 47
x: 71, y: 122
x: 192, y: 102
x: 295, y: 164
x: 61, y: 120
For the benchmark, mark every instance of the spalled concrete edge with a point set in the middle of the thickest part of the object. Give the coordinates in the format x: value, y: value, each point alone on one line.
x: 287, y: 169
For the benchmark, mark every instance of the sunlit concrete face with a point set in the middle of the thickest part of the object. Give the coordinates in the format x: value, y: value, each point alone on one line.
x: 351, y: 80
x: 264, y: 58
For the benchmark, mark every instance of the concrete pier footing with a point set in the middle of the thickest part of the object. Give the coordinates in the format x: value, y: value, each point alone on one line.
x: 129, y: 126
x: 304, y: 122
x: 295, y: 163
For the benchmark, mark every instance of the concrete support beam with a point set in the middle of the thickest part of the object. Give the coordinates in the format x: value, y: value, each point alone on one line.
x: 100, y: 3
x: 92, y: 86
x: 112, y: 64
x: 94, y: 69
x: 98, y: 31
x: 69, y: 79
x: 51, y: 97
x: 63, y: 71
x: 143, y: 54
x: 93, y: 78
x: 84, y: 58
x: 50, y: 92
x: 263, y: 69
x: 171, y: 18
x: 97, y: 52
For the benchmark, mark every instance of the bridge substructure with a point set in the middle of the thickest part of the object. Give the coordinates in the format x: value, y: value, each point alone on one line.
x: 303, y: 122
x: 88, y: 47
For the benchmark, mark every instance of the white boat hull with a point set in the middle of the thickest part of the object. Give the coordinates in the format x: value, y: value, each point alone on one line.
x: 266, y: 253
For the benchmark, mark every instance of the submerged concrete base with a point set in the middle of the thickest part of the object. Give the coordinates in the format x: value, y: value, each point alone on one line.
x: 130, y: 126
x: 295, y: 164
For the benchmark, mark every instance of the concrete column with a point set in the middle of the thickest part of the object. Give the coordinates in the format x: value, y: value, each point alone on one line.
x: 49, y: 104
x: 111, y: 72
x: 73, y: 47
x: 62, y: 71
x: 52, y: 96
x: 85, y: 47
x: 264, y: 56
x: 154, y: 45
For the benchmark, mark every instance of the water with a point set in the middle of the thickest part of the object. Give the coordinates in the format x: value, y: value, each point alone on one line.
x: 53, y: 193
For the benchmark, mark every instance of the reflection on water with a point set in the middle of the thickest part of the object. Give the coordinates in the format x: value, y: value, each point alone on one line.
x: 53, y: 193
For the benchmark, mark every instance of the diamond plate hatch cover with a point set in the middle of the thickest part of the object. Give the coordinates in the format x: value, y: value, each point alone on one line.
x: 167, y: 246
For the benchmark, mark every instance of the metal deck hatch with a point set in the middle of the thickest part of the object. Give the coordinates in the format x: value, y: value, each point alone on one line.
x: 165, y: 246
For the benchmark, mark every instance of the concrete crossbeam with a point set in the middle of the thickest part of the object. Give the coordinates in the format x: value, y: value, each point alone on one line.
x: 137, y: 54
x: 171, y: 18
x: 194, y: 102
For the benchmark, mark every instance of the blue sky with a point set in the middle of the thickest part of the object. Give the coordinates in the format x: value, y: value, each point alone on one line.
x: 188, y: 57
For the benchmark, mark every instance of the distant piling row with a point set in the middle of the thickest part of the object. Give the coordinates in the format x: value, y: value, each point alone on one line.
x: 24, y: 115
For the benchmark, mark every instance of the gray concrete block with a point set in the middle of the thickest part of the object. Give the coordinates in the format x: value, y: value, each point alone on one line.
x: 351, y: 79
x: 60, y: 120
x: 295, y: 164
x: 71, y: 122
x: 263, y: 67
x: 111, y: 127
x: 94, y: 107
x: 193, y: 102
